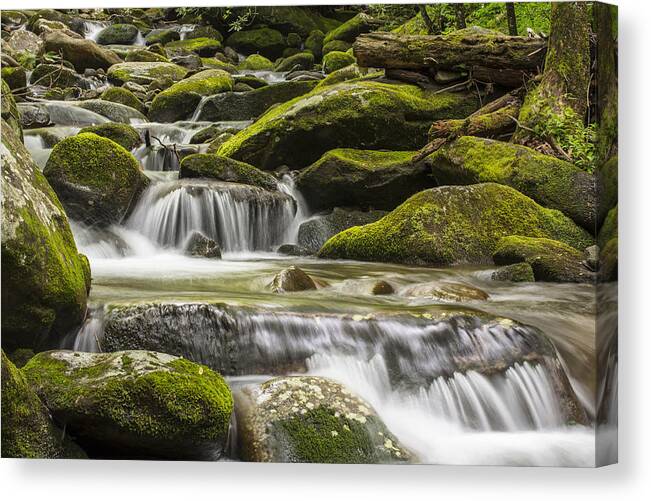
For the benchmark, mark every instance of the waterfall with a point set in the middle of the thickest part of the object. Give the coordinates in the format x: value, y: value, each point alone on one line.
x: 287, y: 185
x: 239, y: 217
x: 93, y: 28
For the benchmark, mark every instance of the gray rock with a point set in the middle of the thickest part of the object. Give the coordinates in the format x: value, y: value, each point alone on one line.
x: 199, y: 245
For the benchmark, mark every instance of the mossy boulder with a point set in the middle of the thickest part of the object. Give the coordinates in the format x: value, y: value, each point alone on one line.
x: 350, y: 72
x: 9, y: 110
x: 335, y: 60
x: 204, y: 31
x: 82, y: 53
x: 607, y: 175
x: 314, y: 43
x: 306, y: 419
x: 249, y: 105
x: 365, y: 115
x: 145, y: 56
x: 351, y: 29
x: 118, y: 34
x: 608, y: 261
x: 23, y: 41
x: 114, y: 111
x: 181, y: 99
x: 27, y: 429
x: 56, y: 76
x: 609, y: 228
x: 294, y: 40
x: 518, y: 272
x: 225, y: 169
x: 16, y: 77
x: 213, y: 63
x: 301, y: 20
x: 204, y: 47
x: 363, y: 178
x: 123, y: 134
x: 300, y: 61
x: 123, y: 96
x: 45, y: 280
x: 256, y: 62
x: 162, y: 36
x: 453, y: 225
x: 134, y: 403
x: 550, y: 260
x: 145, y: 73
x: 292, y: 279
x: 266, y: 41
x: 336, y: 46
x: 549, y: 181
x: 96, y: 179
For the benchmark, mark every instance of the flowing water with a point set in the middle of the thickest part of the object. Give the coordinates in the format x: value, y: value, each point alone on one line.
x: 466, y: 382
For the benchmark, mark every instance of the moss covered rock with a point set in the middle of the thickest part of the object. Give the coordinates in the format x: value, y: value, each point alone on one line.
x: 256, y: 62
x: 549, y: 181
x: 145, y: 73
x: 125, y: 97
x: 608, y: 261
x: 335, y: 60
x: 181, y: 99
x: 550, y: 260
x: 204, y: 47
x: 162, y: 36
x: 135, y: 403
x: 313, y: 420
x: 213, y: 63
x: 82, y: 53
x: 518, y: 272
x: 351, y: 29
x: 452, y: 225
x: 249, y: 105
x: 314, y: 43
x: 300, y: 19
x: 609, y: 228
x: 203, y: 31
x: 300, y: 61
x: 9, y: 110
x: 145, y: 56
x: 114, y: 111
x: 27, y: 430
x: 123, y: 134
x: 118, y: 34
x: 266, y: 41
x: 56, y: 76
x: 44, y: 279
x: 96, y: 179
x: 365, y: 115
x: 336, y: 45
x: 363, y: 178
x: 15, y: 77
x: 607, y: 175
x: 225, y: 169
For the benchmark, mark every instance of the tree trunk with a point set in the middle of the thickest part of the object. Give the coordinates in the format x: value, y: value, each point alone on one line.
x: 562, y: 95
x: 510, y: 16
x: 605, y: 18
x: 460, y: 15
x: 427, y: 20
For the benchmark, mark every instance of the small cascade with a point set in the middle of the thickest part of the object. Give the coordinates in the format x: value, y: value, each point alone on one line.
x: 271, y: 77
x: 93, y: 28
x: 287, y: 185
x: 239, y: 217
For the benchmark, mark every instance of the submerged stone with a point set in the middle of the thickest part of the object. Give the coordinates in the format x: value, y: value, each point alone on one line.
x: 200, y: 245
x: 292, y: 279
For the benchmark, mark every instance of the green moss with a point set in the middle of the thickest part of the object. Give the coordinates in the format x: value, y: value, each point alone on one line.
x: 123, y: 96
x: 181, y: 99
x: 351, y: 29
x: 300, y: 61
x: 335, y: 45
x: 314, y: 43
x: 607, y: 176
x: 265, y: 41
x: 117, y: 34
x: 15, y: 77
x: 217, y: 64
x: 162, y: 36
x: 608, y: 261
x: 9, y: 110
x: 608, y: 229
x: 145, y: 73
x: 256, y: 62
x: 518, y: 272
x: 54, y: 75
x: 143, y: 55
x: 336, y: 60
x: 453, y: 225
x: 225, y: 169
x: 123, y: 134
x: 205, y: 47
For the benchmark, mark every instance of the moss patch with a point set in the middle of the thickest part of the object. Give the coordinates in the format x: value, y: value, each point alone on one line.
x: 256, y: 62
x: 225, y: 169
x: 336, y: 60
x: 123, y: 96
x: 265, y: 41
x: 123, y: 134
x: 145, y: 73
x: 204, y: 47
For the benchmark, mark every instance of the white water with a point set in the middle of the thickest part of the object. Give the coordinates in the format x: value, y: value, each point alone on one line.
x: 93, y: 28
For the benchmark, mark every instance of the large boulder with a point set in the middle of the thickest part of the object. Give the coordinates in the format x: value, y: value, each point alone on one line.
x: 232, y: 106
x: 56, y: 76
x: 336, y: 60
x: 452, y: 225
x: 314, y: 43
x: 123, y: 134
x: 366, y: 115
x: 301, y: 20
x: 82, y: 53
x: 45, y: 280
x: 314, y: 232
x: 181, y: 99
x: 363, y: 178
x: 351, y: 29
x: 145, y: 73
x: 9, y: 110
x: 225, y: 169
x: 551, y: 261
x: 306, y: 419
x: 145, y: 56
x: 118, y: 34
x: 162, y: 36
x: 96, y: 179
x: 204, y: 47
x: 256, y: 62
x: 549, y: 181
x: 134, y: 403
x: 116, y: 112
x: 23, y: 40
x: 123, y: 96
x: 27, y: 429
x: 266, y: 41
x: 292, y: 279
x: 300, y: 61
x: 15, y: 77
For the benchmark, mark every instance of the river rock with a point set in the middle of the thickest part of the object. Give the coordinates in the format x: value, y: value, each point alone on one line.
x: 225, y: 169
x: 608, y: 261
x: 452, y: 225
x: 518, y: 272
x: 199, y: 245
x: 312, y: 420
x: 116, y: 112
x: 203, y: 31
x: 314, y: 43
x: 135, y: 403
x: 145, y: 73
x: 336, y: 46
x: 181, y: 99
x: 27, y: 429
x: 256, y: 62
x: 365, y: 115
x: 9, y: 111
x: 549, y: 181
x: 363, y: 178
x: 45, y: 280
x: 351, y: 29
x: 292, y: 279
x: 265, y: 41
x: 232, y: 106
x: 314, y: 232
x: 300, y: 61
x: 33, y: 116
x: 143, y: 55
x: 56, y: 76
x: 162, y: 36
x: 23, y: 40
x: 382, y: 288
x: 124, y: 96
x: 119, y: 33
x: 292, y: 250
x: 82, y: 53
x: 447, y: 292
x: 16, y: 77
x: 203, y: 46
x: 550, y: 260
x: 96, y: 178
x: 123, y: 134
x: 336, y: 60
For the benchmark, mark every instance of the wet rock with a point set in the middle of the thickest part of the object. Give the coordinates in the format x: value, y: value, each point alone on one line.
x: 203, y: 31
x: 57, y: 76
x: 303, y: 75
x: 447, y: 292
x: 145, y: 73
x: 336, y: 45
x: 142, y: 55
x: 256, y: 62
x: 382, y: 288
x: 36, y: 243
x: 312, y: 420
x: 335, y: 60
x: 81, y: 53
x: 123, y: 134
x: 204, y: 47
x: 123, y: 95
x: 300, y: 61
x: 33, y: 116
x: 314, y: 43
x: 117, y: 34
x: 591, y: 257
x: 27, y: 429
x: 292, y: 250
x: 315, y: 232
x: 114, y: 111
x: 23, y: 40
x: 199, y: 245
x: 265, y: 41
x: 189, y: 61
x: 135, y: 403
x: 519, y: 272
x: 10, y: 113
x: 241, y: 87
x: 292, y: 279
x: 212, y: 166
x: 162, y: 36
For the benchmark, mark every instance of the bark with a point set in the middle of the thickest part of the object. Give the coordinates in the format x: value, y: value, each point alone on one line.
x: 412, y: 77
x: 605, y: 18
x: 510, y: 16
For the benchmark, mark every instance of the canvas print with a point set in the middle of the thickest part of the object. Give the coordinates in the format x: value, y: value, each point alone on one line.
x: 374, y: 233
